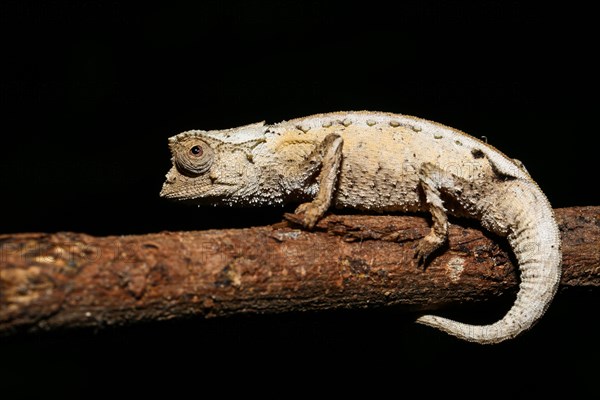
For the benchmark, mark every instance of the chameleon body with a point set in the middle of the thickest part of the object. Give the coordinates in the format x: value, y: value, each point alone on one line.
x: 382, y: 162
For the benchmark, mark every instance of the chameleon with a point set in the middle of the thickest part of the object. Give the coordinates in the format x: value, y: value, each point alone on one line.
x: 382, y: 163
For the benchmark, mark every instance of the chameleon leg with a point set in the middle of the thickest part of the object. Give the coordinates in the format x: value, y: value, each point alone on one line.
x: 329, y: 155
x: 431, y: 179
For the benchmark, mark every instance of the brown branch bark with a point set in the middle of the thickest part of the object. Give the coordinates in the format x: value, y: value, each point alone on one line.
x: 58, y: 280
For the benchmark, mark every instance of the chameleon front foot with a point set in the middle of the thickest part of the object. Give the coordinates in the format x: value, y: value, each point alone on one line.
x: 426, y: 247
x: 307, y: 214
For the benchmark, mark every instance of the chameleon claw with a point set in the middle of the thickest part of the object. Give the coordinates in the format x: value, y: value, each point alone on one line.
x: 421, y: 257
x: 307, y: 215
x: 301, y: 219
x: 425, y: 249
x: 295, y: 219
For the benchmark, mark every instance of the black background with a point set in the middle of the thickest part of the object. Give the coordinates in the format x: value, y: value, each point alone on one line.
x: 91, y: 91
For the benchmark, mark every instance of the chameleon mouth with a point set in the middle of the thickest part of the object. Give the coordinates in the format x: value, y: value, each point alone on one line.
x: 166, y: 192
x: 170, y: 191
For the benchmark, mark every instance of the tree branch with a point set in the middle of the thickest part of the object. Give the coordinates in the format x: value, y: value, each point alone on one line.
x: 60, y: 280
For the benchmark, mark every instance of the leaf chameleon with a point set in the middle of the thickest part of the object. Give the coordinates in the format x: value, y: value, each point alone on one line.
x: 382, y: 162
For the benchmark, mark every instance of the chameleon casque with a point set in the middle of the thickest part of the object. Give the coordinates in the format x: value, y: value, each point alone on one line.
x: 382, y: 162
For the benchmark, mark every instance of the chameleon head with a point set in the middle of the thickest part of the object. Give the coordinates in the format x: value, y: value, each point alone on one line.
x: 205, y: 169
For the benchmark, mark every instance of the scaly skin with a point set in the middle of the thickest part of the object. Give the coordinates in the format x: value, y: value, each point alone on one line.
x: 382, y: 162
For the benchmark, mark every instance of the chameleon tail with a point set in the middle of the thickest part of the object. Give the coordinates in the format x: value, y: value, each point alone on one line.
x: 536, y: 245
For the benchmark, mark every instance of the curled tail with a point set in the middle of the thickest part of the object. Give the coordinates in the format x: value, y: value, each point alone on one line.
x: 535, y: 241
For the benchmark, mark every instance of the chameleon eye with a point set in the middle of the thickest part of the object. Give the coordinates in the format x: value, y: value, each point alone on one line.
x: 193, y: 156
x: 197, y: 151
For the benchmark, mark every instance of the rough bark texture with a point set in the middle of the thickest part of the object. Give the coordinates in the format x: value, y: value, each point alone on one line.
x: 59, y: 280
